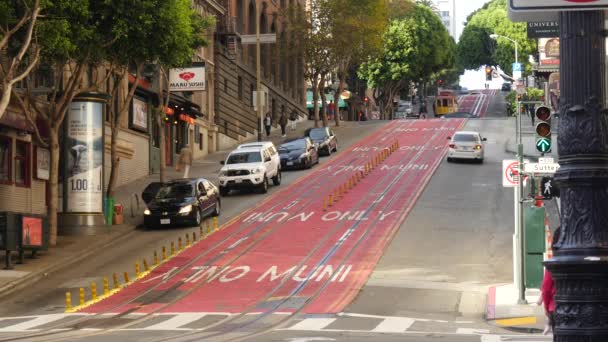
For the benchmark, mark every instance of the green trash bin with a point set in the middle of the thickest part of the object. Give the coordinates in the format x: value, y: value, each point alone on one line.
x: 109, y: 210
x: 534, y: 233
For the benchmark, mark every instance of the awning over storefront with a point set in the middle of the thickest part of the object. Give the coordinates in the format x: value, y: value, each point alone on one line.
x: 16, y: 121
x: 328, y: 97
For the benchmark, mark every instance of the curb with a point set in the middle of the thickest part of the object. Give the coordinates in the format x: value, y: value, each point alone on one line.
x: 63, y: 264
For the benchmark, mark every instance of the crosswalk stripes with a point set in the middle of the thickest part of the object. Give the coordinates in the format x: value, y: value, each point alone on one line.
x: 343, y: 322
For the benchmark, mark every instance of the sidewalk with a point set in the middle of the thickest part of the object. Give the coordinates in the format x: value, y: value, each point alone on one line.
x: 502, y: 309
x: 71, y: 250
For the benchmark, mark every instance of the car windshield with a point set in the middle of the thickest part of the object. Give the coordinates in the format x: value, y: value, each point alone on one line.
x: 293, y: 145
x: 465, y: 138
x: 244, y: 157
x: 318, y: 133
x: 176, y: 190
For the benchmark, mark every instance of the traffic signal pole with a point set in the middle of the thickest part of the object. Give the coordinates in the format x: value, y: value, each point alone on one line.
x: 579, y: 266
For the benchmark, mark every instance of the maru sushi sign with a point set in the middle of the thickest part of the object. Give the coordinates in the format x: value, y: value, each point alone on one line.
x: 557, y: 5
x: 187, y: 79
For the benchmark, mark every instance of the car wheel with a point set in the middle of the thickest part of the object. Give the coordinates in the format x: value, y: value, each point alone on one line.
x: 218, y: 208
x: 328, y: 151
x: 198, y: 218
x: 224, y: 191
x: 449, y: 160
x: 480, y: 161
x: 309, y: 163
x: 264, y: 185
x: 276, y: 180
x: 336, y: 148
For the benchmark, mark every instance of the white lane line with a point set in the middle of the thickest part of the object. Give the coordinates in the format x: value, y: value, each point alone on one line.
x: 36, y: 322
x: 312, y: 324
x: 345, y: 314
x: 394, y: 325
x: 472, y: 331
x: 176, y: 322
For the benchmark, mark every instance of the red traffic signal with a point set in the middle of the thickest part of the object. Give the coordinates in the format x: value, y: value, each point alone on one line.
x: 543, y: 113
x: 365, y: 99
x: 439, y: 82
x: 543, y: 128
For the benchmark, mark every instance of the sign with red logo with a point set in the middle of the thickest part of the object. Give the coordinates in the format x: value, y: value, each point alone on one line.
x: 557, y: 5
x: 31, y: 231
x: 187, y: 79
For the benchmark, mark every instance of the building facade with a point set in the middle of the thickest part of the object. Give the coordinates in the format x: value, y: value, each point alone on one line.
x: 235, y: 69
x: 446, y: 9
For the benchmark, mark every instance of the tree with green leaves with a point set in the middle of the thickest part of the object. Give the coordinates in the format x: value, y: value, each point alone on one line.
x: 415, y: 47
x: 476, y: 48
x: 356, y: 32
x: 21, y: 54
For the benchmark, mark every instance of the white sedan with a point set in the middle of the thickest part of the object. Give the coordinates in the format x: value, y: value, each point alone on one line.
x: 466, y: 145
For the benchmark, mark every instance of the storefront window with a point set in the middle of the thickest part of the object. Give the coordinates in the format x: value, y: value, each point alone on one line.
x: 5, y: 160
x: 22, y: 165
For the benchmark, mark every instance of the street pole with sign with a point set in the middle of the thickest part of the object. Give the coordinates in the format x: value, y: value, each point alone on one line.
x: 258, y: 71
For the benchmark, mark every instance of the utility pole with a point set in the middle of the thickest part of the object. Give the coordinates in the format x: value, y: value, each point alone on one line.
x: 258, y: 68
x: 580, y: 257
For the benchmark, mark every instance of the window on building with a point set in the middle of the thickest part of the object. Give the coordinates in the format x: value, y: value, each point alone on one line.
x: 240, y: 89
x: 22, y: 163
x: 5, y: 159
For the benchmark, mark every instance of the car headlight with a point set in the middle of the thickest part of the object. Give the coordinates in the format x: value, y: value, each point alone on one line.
x: 186, y: 210
x: 303, y: 155
x: 256, y: 170
x: 222, y: 173
x: 147, y: 211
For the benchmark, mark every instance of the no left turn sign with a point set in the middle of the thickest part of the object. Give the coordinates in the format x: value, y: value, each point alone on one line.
x: 510, y: 173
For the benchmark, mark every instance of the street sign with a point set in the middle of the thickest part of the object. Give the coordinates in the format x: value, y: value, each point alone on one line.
x: 548, y: 188
x: 265, y: 38
x: 546, y: 160
x: 543, y: 29
x: 510, y: 173
x: 539, y: 168
x: 543, y: 145
x: 517, y: 69
x: 557, y: 5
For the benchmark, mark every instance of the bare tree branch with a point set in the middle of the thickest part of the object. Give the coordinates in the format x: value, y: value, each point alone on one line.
x: 28, y: 116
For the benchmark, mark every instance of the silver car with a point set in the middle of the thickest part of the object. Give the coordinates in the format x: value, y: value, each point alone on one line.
x: 466, y: 145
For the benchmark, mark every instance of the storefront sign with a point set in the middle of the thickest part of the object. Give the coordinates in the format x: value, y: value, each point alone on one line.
x: 139, y: 115
x: 84, y: 162
x: 31, y: 231
x: 557, y: 5
x: 187, y: 79
x: 552, y: 48
x: 186, y: 118
x: 43, y: 163
x: 543, y: 29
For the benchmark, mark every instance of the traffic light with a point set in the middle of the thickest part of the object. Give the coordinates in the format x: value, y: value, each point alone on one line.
x: 366, y: 100
x: 543, y: 129
x: 440, y: 82
x: 488, y: 73
x: 548, y: 188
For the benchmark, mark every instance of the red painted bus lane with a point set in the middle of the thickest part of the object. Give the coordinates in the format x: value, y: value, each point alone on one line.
x: 289, y: 247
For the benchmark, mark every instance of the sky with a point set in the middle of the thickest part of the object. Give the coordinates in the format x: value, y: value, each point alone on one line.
x: 463, y: 9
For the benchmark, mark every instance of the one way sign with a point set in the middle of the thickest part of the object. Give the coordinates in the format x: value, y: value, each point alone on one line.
x: 548, y: 188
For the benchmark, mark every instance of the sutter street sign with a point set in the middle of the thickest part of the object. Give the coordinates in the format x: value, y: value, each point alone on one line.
x: 543, y: 145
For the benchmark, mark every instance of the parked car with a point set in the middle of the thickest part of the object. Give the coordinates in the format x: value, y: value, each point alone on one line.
x: 250, y: 166
x: 506, y: 86
x: 324, y: 139
x: 466, y: 145
x: 298, y: 153
x: 180, y: 202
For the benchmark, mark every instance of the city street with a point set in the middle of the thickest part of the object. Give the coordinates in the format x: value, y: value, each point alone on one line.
x: 387, y: 261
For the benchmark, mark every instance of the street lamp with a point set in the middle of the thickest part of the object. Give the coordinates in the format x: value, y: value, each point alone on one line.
x: 496, y: 36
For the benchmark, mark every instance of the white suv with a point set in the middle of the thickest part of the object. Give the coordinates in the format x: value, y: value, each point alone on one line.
x: 250, y: 165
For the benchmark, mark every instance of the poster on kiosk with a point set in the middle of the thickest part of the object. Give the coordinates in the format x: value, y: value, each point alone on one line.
x: 84, y: 162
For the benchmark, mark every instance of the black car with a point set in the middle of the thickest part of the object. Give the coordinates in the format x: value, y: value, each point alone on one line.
x: 324, y: 139
x: 506, y: 86
x: 298, y: 153
x: 180, y: 202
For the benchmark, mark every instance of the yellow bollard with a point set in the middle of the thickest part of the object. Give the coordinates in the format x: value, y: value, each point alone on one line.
x: 331, y: 200
x: 146, y: 266
x: 339, y: 190
x: 201, y: 231
x: 187, y: 240
x: 106, y: 286
x: 179, y: 243
x: 350, y: 183
x: 172, y: 248
x: 136, y: 270
x: 208, y: 225
x: 337, y: 195
x: 126, y: 276
x: 68, y: 301
x: 325, y: 204
x: 193, y: 237
x: 81, y: 297
x: 215, y: 225
x: 155, y: 259
x: 164, y: 253
x: 345, y: 187
x: 93, y: 291
x: 115, y: 283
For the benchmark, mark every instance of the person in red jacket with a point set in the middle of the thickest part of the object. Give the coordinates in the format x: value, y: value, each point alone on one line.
x: 547, y: 292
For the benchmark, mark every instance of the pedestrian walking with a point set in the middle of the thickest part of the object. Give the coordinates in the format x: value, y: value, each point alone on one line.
x: 185, y: 160
x: 293, y: 119
x: 283, y: 123
x: 548, y: 291
x: 332, y: 108
x: 268, y: 124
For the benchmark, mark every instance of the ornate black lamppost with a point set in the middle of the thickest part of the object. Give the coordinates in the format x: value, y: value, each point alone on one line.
x: 580, y: 262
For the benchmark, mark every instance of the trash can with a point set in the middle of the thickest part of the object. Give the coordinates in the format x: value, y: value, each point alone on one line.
x: 109, y: 210
x: 118, y: 216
